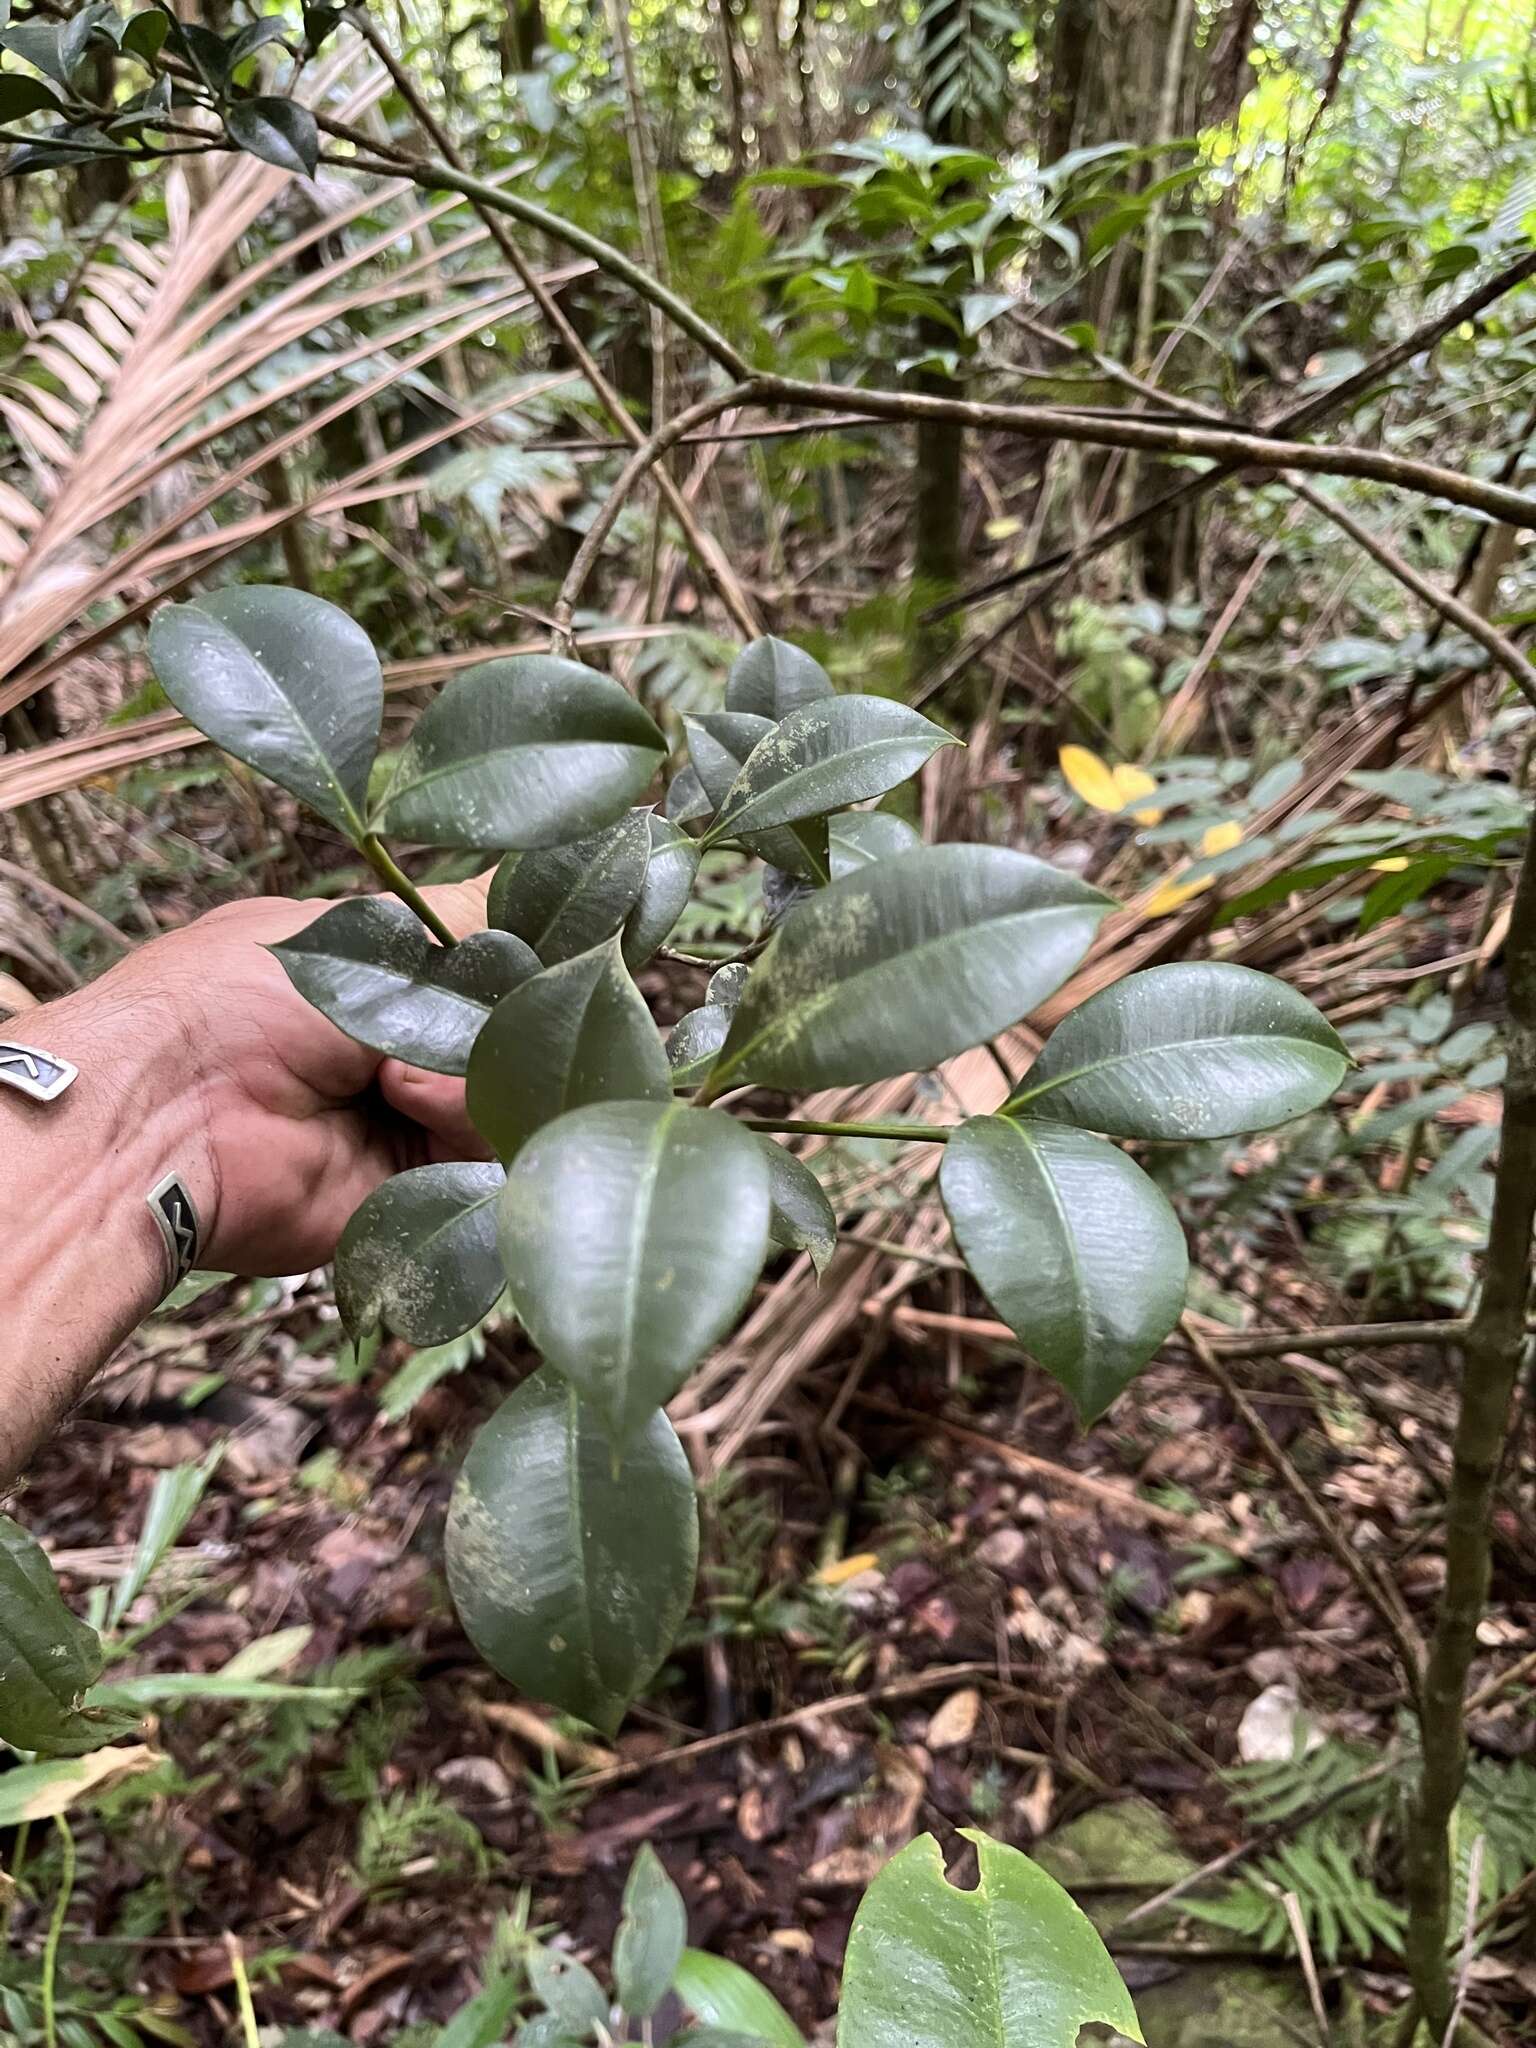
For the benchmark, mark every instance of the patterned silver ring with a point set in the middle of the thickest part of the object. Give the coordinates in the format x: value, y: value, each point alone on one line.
x: 175, y: 1215
x: 42, y: 1075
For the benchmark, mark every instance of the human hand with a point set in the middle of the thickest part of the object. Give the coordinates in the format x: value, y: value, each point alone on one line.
x: 295, y: 1123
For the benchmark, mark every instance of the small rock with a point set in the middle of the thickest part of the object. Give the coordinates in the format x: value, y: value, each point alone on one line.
x: 478, y: 1780
x: 1003, y: 1550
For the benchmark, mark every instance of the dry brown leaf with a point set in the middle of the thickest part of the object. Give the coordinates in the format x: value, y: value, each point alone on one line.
x: 954, y: 1723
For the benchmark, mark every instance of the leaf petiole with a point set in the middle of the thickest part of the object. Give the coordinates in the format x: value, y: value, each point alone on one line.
x: 394, y: 877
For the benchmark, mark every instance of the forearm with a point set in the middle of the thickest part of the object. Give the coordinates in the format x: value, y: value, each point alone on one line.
x: 82, y: 1260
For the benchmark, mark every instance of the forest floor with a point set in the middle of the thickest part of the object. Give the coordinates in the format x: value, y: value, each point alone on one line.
x: 910, y: 1626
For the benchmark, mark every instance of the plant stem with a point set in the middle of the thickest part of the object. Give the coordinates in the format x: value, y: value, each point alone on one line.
x: 920, y: 1134
x: 1230, y: 449
x: 250, y: 2031
x: 56, y: 1932
x: 1492, y: 1355
x: 394, y: 878
x: 644, y: 459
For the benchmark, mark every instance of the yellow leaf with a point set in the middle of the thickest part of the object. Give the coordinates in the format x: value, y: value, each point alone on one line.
x: 40, y: 1791
x: 847, y: 1568
x: 1221, y: 838
x: 1393, y: 865
x: 1133, y: 782
x: 1174, y: 893
x: 1090, y: 778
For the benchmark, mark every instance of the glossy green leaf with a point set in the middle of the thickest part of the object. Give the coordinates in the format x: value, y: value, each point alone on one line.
x: 567, y: 899
x: 283, y: 681
x: 567, y: 1989
x: 576, y: 1033
x: 859, y: 837
x: 278, y: 131
x: 694, y: 1042
x: 904, y: 963
x: 420, y: 1255
x: 651, y: 1938
x: 720, y: 744
x: 632, y: 1233
x: 48, y: 1658
x: 722, y: 1994
x: 771, y: 677
x: 370, y: 967
x: 696, y: 1038
x: 669, y: 878
x: 572, y: 1573
x: 521, y: 754
x: 1013, y: 1964
x: 686, y: 799
x: 823, y: 758
x: 41, y: 43
x: 21, y: 95
x: 1200, y: 1049
x: 801, y: 1219
x: 1077, y: 1250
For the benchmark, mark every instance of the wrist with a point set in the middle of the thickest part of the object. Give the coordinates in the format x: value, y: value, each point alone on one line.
x: 85, y: 1260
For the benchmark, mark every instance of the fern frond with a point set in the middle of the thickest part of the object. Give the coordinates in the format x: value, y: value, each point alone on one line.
x: 1342, y: 1909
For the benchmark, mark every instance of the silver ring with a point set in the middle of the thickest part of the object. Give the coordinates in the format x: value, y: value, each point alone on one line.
x: 175, y: 1215
x: 42, y: 1075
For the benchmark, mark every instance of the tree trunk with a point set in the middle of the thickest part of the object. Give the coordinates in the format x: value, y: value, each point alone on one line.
x: 1495, y: 1346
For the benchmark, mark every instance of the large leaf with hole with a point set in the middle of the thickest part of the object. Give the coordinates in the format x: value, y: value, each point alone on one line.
x: 823, y: 758
x: 631, y: 1234
x: 906, y: 962
x: 572, y: 1571
x: 370, y: 967
x: 523, y: 753
x: 48, y: 1659
x: 281, y: 680
x: 567, y: 899
x: 420, y: 1255
x: 1012, y: 1963
x: 720, y: 743
x: 1199, y: 1049
x: 772, y: 678
x: 1077, y: 1250
x: 576, y: 1033
x: 664, y: 890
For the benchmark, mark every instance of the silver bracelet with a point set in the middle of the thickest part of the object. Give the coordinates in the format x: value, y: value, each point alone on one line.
x: 175, y: 1215
x: 42, y: 1075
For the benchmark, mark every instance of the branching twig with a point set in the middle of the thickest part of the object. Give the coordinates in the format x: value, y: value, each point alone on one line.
x: 645, y: 458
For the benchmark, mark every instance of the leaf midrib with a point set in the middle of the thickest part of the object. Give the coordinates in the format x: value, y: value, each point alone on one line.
x: 299, y: 722
x: 1176, y: 1046
x: 464, y: 762
x: 741, y: 820
x: 639, y: 1226
x: 812, y: 1006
